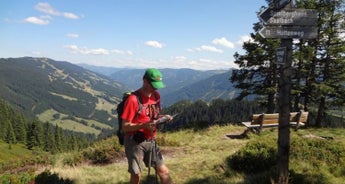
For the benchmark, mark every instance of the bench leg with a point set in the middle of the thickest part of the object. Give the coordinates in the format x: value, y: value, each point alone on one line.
x: 256, y: 130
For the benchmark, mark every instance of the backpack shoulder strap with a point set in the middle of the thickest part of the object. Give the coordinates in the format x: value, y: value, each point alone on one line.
x: 158, y: 99
x: 140, y: 101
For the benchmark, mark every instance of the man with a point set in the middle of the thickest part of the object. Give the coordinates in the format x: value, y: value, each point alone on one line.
x: 140, y: 128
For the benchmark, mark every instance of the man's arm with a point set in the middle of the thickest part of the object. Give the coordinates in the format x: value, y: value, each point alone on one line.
x: 132, y: 127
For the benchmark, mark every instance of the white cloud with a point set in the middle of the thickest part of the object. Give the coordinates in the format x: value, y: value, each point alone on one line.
x: 75, y: 49
x: 49, y: 10
x: 243, y: 39
x: 37, y: 53
x: 122, y: 52
x: 154, y: 44
x: 72, y: 35
x: 69, y: 15
x: 206, y: 48
x: 99, y: 51
x: 179, y: 58
x: 224, y: 42
x: 35, y: 20
x: 190, y: 50
x: 207, y: 64
x: 46, y: 8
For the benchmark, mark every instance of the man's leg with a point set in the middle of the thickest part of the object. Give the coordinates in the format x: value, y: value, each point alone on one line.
x: 163, y: 173
x: 135, y: 178
x: 134, y: 155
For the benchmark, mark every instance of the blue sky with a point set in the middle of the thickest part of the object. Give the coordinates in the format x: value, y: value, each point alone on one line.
x: 197, y: 34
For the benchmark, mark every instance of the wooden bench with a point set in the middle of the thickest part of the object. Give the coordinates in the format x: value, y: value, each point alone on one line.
x: 260, y: 121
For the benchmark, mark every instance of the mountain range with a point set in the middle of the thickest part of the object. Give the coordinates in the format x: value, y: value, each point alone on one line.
x: 83, y: 97
x: 180, y: 84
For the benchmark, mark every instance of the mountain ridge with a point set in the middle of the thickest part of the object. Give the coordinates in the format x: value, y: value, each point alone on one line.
x: 44, y: 88
x: 79, y: 99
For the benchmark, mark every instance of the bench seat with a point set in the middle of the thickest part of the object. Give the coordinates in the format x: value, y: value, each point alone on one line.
x: 260, y: 121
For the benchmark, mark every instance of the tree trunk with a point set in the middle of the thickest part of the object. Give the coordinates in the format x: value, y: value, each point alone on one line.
x: 320, y: 120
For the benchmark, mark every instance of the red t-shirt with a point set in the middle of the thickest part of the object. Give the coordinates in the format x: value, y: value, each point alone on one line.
x: 150, y: 107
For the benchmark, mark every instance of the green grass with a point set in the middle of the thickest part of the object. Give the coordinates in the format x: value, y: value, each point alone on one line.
x: 17, y: 151
x: 205, y: 156
x: 69, y: 124
x: 192, y: 156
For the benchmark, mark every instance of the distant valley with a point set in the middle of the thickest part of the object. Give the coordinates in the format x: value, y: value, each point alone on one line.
x: 181, y: 84
x: 83, y: 98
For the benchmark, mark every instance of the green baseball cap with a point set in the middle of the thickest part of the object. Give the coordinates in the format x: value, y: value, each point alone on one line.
x: 155, y: 77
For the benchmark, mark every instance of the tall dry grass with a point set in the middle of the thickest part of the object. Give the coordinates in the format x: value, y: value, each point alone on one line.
x: 196, y: 157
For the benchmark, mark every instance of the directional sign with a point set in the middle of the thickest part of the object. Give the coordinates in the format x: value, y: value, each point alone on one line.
x: 289, y: 32
x: 266, y: 14
x: 295, y: 17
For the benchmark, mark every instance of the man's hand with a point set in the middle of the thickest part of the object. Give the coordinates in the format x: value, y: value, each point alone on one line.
x: 151, y: 125
x: 164, y: 119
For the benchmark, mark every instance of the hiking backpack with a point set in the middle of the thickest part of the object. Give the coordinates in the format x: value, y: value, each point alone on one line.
x: 120, y: 134
x: 119, y: 109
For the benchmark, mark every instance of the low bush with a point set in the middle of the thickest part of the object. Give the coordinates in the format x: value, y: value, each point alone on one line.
x: 103, y: 152
x: 255, y: 157
x: 73, y: 159
x: 21, y: 178
x: 311, y: 160
x: 51, y: 178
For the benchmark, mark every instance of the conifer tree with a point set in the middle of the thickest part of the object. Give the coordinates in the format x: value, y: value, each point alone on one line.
x: 326, y: 74
x: 57, y: 138
x: 257, y: 73
x: 35, y: 135
x: 49, y: 138
x: 20, y: 129
x: 4, y: 117
x: 10, y: 137
x: 318, y: 64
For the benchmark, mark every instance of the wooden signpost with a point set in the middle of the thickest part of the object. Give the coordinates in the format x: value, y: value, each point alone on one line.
x: 289, y: 23
x: 283, y: 22
x: 288, y: 32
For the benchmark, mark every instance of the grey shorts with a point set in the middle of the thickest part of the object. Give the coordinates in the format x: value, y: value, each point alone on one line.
x: 138, y: 153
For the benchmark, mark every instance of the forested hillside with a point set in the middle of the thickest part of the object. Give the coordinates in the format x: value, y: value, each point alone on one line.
x: 36, y: 135
x: 77, y: 99
x: 200, y: 114
x: 60, y: 93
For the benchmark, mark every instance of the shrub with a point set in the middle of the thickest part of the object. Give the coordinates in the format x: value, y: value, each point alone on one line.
x: 102, y: 153
x: 73, y: 159
x: 254, y: 157
x: 311, y: 160
x: 47, y: 177
x: 321, y: 158
x: 22, y: 178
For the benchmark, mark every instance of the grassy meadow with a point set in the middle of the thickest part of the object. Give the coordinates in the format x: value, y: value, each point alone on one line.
x: 217, y: 155
x: 206, y: 156
x: 69, y: 124
x: 12, y: 152
x: 190, y: 155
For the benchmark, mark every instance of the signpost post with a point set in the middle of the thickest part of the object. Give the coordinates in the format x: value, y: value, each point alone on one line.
x: 284, y: 22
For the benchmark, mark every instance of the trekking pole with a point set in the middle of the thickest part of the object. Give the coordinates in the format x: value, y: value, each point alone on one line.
x: 150, y: 156
x: 156, y: 159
